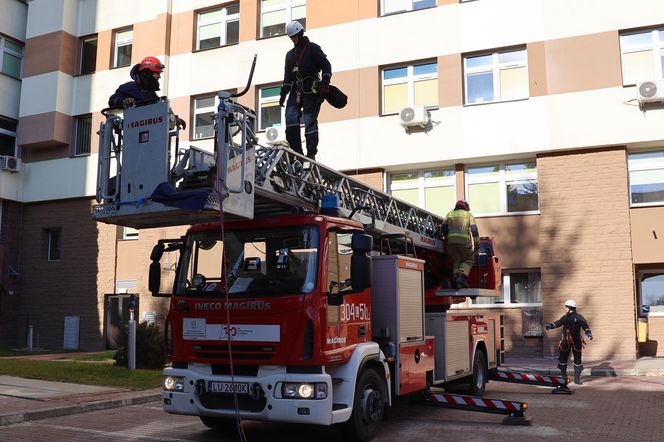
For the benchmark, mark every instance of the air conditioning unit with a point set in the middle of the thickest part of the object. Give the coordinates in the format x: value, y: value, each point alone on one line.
x: 11, y: 164
x: 276, y: 136
x: 414, y: 116
x: 650, y: 91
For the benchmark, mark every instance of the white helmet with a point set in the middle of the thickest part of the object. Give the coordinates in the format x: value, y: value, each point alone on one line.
x: 294, y: 28
x: 570, y: 303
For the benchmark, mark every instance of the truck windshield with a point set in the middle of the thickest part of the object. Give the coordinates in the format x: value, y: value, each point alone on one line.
x: 267, y: 262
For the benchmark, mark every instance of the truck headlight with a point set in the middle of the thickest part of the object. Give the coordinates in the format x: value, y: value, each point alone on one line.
x: 174, y: 383
x: 304, y: 390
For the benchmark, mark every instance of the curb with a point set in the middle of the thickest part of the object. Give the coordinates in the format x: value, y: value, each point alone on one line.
x: 599, y: 372
x: 65, y: 410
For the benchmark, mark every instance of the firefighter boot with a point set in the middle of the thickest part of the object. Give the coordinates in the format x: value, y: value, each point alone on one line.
x: 563, y: 370
x: 577, y: 374
x: 293, y: 138
x: 461, y: 281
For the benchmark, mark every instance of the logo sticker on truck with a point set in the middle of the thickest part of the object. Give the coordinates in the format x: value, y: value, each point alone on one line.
x: 198, y: 329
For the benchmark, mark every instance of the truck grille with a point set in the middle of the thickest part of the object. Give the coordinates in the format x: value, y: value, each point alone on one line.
x: 240, y: 352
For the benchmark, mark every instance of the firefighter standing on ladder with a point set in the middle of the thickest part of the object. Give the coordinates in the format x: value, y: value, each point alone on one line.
x: 305, y: 89
x: 463, y: 241
x: 571, y: 340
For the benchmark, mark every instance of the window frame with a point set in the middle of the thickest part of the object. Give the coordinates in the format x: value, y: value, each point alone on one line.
x: 410, y: 8
x: 410, y: 79
x: 205, y: 110
x: 4, y: 49
x: 656, y: 42
x: 10, y: 133
x: 260, y: 101
x: 54, y: 255
x: 288, y: 7
x: 81, y: 54
x: 657, y: 164
x: 495, y: 68
x: 116, y: 45
x: 223, y: 21
x: 422, y: 185
x: 503, y: 179
x: 78, y: 120
x: 506, y: 293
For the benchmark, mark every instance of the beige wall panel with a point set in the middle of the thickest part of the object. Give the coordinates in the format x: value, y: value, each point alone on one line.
x: 181, y: 107
x: 537, y: 69
x: 447, y: 2
x: 149, y: 39
x: 656, y: 334
x: 517, y: 239
x: 362, y: 88
x: 647, y: 225
x: 183, y: 33
x: 582, y: 63
x: 326, y: 13
x: 50, y: 52
x: 40, y: 154
x: 104, y: 50
x: 586, y: 251
x: 44, y: 130
x: 450, y: 83
x: 373, y: 178
x: 249, y: 20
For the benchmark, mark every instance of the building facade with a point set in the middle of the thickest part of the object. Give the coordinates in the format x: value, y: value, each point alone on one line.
x: 533, y: 111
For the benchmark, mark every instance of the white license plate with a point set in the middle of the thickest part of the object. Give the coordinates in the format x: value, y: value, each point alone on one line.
x: 228, y: 387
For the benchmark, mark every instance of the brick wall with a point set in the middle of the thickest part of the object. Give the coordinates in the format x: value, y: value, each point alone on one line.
x: 9, y: 251
x: 586, y: 247
x: 72, y: 286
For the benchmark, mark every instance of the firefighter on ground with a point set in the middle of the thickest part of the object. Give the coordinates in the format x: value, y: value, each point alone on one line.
x: 463, y: 241
x: 145, y: 82
x: 305, y: 87
x: 571, y: 340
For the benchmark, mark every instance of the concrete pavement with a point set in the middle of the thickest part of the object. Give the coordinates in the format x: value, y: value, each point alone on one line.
x: 23, y: 400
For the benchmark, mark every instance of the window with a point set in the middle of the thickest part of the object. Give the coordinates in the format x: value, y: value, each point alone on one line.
x: 218, y: 27
x: 204, y: 110
x: 394, y: 6
x: 82, y: 134
x: 88, y: 55
x: 122, y: 47
x: 642, y: 56
x: 339, y: 252
x: 415, y: 84
x: 646, y: 178
x: 499, y: 76
x: 129, y: 233
x: 54, y: 242
x: 652, y: 292
x: 7, y: 136
x: 271, y: 114
x: 432, y: 190
x: 502, y: 188
x: 11, y: 57
x: 519, y: 287
x: 275, y: 14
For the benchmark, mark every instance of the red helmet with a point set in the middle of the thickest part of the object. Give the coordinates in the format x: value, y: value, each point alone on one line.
x: 151, y: 63
x: 461, y: 204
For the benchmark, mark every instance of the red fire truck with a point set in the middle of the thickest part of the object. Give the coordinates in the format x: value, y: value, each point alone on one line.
x: 301, y: 295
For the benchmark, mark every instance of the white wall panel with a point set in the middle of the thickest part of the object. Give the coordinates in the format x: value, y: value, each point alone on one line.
x: 13, y: 18
x: 60, y: 179
x: 47, y: 93
x: 102, y: 15
x: 11, y: 185
x: 46, y: 16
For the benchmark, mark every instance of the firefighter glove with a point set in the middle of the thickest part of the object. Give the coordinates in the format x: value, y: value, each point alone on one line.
x: 589, y: 334
x: 281, y: 100
x: 129, y: 101
x: 182, y: 123
x: 323, y: 90
x: 550, y: 326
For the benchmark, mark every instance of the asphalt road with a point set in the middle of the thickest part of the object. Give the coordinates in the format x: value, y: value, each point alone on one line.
x: 603, y: 409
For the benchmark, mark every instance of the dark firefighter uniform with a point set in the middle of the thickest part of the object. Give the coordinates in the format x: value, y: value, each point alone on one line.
x: 301, y: 84
x: 142, y: 87
x: 571, y: 341
x: 463, y: 240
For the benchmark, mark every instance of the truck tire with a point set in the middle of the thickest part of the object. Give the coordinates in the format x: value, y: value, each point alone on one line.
x: 480, y: 375
x: 368, y: 406
x: 219, y: 423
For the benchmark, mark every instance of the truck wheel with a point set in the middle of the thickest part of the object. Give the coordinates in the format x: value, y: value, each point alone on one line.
x: 478, y: 382
x: 368, y: 406
x: 219, y: 423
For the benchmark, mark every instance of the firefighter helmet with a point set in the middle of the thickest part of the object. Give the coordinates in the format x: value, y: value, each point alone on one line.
x: 293, y: 28
x: 151, y: 63
x: 570, y: 303
x: 461, y: 204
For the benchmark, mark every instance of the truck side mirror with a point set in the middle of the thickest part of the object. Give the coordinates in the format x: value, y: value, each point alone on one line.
x: 361, y: 243
x: 157, y: 252
x: 360, y: 271
x: 154, y: 278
